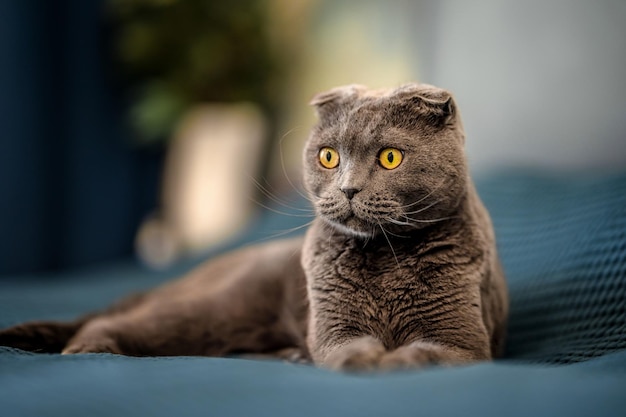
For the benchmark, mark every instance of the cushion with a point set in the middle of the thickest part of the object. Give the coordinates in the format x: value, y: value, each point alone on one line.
x: 563, y: 246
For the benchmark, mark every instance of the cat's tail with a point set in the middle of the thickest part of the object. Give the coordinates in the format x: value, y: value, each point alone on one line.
x: 40, y: 336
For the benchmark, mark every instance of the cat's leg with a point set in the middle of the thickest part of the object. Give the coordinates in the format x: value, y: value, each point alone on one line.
x: 460, y: 339
x: 209, y: 327
x: 367, y: 353
x: 253, y: 315
x: 340, y: 348
x: 290, y: 354
x: 94, y: 337
x: 454, y: 338
x: 420, y: 353
x: 241, y: 302
x: 358, y: 354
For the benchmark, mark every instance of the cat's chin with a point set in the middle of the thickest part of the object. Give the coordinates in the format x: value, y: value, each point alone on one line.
x: 353, y: 228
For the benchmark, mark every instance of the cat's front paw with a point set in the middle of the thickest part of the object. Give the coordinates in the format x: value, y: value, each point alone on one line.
x: 404, y: 358
x: 419, y: 355
x: 361, y: 354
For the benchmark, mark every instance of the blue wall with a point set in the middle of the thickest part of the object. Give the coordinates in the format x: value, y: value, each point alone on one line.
x: 73, y: 188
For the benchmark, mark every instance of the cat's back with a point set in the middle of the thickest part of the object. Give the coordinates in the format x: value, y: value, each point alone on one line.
x: 273, y: 264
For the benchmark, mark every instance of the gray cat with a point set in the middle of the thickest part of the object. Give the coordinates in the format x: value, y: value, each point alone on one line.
x: 398, y: 270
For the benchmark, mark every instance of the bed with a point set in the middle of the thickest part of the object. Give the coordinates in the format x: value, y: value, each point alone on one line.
x: 562, y: 239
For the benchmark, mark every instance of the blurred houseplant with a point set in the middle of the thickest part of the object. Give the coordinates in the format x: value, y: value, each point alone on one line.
x: 189, y: 64
x: 176, y: 53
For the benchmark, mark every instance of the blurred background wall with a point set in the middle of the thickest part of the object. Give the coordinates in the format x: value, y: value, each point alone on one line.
x: 72, y: 186
x: 540, y: 85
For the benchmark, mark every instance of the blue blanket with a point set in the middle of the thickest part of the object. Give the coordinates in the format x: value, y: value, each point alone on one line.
x: 563, y: 245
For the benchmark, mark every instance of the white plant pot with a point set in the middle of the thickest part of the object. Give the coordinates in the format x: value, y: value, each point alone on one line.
x: 207, y: 182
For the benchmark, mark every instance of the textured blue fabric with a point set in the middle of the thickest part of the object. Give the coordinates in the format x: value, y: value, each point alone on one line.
x: 563, y: 245
x: 106, y: 385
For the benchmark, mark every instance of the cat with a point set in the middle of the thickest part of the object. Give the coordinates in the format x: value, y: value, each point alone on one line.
x: 398, y: 269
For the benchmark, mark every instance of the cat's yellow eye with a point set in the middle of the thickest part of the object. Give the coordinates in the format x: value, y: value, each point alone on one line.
x: 390, y: 158
x: 329, y: 158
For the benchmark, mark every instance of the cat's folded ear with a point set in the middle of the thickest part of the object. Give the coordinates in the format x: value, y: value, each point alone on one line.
x: 329, y: 103
x: 435, y: 104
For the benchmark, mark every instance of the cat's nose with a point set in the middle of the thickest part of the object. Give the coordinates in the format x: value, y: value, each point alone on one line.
x: 350, y: 192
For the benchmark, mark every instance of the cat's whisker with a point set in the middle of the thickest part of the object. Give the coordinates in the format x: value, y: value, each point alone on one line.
x: 282, y: 163
x: 284, y: 232
x: 369, y: 236
x: 437, y: 188
x: 406, y: 206
x: 274, y: 198
x: 411, y: 222
x: 434, y: 203
x: 290, y: 131
x: 434, y: 220
x: 397, y: 222
x: 367, y: 239
x: 400, y: 223
x: 390, y: 245
x: 282, y: 213
x: 331, y: 234
x: 396, y: 235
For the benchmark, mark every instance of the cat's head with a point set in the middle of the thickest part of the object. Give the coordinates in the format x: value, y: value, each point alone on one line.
x: 389, y: 160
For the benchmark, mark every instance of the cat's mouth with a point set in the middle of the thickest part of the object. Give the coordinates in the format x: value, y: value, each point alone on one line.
x: 350, y: 223
x: 352, y: 220
x: 358, y: 219
x: 353, y: 227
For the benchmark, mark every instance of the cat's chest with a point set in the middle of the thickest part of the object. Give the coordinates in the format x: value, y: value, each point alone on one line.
x: 373, y: 274
x: 376, y: 291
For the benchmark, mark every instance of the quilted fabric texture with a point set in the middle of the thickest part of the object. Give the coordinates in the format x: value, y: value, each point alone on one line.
x: 563, y: 245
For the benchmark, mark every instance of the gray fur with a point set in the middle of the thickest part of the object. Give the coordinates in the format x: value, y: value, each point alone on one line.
x: 399, y: 268
x: 405, y: 273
